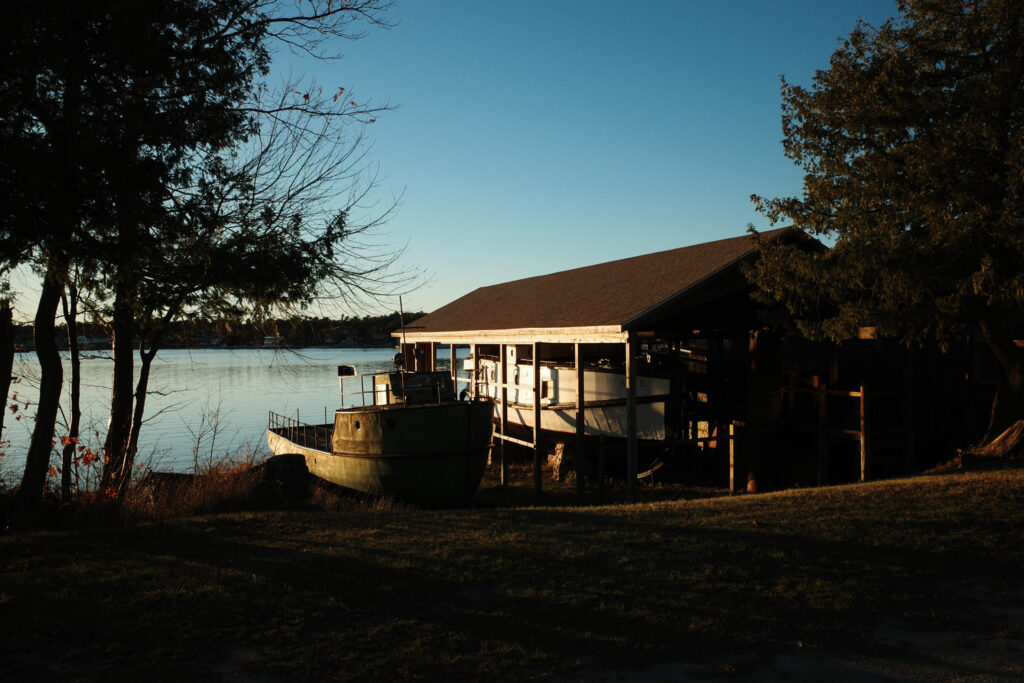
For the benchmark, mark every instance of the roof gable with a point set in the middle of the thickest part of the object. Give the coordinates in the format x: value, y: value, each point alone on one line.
x: 607, y: 294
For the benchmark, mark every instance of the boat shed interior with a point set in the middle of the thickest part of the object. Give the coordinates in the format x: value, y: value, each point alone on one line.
x: 737, y: 403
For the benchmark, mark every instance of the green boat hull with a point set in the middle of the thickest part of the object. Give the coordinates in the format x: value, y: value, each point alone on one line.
x: 432, y: 455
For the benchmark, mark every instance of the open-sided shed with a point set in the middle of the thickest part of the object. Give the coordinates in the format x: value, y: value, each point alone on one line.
x: 669, y: 353
x: 637, y: 316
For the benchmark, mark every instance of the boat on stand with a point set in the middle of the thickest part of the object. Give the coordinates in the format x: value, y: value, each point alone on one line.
x: 604, y: 396
x: 407, y: 436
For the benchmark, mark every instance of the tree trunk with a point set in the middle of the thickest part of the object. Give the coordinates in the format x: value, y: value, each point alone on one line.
x: 1008, y: 404
x: 50, y: 380
x: 141, y: 388
x: 70, y: 310
x: 6, y: 357
x: 123, y: 385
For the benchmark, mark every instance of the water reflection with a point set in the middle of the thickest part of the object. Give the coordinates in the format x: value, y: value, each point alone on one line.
x: 205, y: 401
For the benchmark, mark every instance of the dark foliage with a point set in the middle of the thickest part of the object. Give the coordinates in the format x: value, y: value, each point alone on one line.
x: 912, y: 144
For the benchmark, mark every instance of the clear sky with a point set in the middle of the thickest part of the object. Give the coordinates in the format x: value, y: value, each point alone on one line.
x: 535, y: 136
x: 531, y: 137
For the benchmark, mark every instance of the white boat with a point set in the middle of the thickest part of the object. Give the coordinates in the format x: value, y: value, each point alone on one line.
x: 604, y: 397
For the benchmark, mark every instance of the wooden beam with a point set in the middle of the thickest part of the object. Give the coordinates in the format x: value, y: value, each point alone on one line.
x: 864, y: 443
x: 512, y: 439
x: 605, y: 402
x: 580, y: 420
x: 631, y: 437
x: 599, y: 334
x: 537, y: 488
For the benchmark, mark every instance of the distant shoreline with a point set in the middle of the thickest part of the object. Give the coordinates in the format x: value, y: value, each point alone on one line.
x: 254, y: 347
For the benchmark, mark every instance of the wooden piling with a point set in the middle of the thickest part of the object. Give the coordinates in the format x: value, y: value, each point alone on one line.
x: 504, y: 413
x: 908, y: 409
x: 732, y: 458
x: 864, y: 441
x: 537, y: 486
x: 631, y: 427
x: 454, y: 370
x: 473, y: 350
x: 822, y: 396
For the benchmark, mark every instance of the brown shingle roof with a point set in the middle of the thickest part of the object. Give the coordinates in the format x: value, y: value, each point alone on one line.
x: 612, y: 293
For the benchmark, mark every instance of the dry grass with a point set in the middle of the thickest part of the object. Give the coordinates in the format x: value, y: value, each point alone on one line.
x: 163, y: 496
x: 351, y: 589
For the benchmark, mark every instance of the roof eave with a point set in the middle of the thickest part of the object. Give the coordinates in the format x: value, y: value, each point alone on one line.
x: 595, y: 334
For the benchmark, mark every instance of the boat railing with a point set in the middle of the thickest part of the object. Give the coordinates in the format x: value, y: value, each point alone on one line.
x: 365, y: 394
x: 317, y: 437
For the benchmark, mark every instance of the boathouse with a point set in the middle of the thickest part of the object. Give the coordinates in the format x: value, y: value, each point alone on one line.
x: 677, y: 363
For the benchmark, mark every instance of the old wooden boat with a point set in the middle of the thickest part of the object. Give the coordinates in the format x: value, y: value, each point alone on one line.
x: 414, y: 441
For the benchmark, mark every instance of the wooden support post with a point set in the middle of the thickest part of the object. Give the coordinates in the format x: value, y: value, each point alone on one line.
x: 864, y: 440
x: 504, y: 412
x: 580, y: 421
x: 453, y: 368
x: 409, y: 357
x: 602, y: 458
x: 476, y: 369
x: 908, y: 409
x: 631, y: 435
x: 823, y: 477
x: 732, y: 458
x: 968, y: 392
x: 537, y: 487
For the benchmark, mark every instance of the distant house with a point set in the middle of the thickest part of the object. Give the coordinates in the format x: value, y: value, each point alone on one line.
x: 678, y: 364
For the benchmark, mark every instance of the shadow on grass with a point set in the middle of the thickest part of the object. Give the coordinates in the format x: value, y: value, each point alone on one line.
x: 718, y: 586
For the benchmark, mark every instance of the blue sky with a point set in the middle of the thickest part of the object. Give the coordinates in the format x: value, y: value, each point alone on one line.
x: 531, y: 137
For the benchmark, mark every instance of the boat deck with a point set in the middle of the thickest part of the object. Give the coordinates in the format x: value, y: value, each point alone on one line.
x: 314, y: 437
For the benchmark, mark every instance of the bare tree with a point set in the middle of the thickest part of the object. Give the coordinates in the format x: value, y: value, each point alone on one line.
x: 267, y: 230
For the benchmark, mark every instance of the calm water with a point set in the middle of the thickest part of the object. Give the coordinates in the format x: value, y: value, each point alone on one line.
x: 204, y: 402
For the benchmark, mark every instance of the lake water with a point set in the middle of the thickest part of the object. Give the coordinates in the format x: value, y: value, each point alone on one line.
x: 204, y: 402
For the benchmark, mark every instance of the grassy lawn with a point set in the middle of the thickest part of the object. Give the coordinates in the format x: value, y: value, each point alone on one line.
x: 919, y: 577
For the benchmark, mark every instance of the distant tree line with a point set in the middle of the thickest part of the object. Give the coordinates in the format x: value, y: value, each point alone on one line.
x: 294, y: 331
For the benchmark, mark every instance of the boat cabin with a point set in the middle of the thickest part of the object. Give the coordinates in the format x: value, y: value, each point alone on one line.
x: 419, y: 388
x: 396, y: 388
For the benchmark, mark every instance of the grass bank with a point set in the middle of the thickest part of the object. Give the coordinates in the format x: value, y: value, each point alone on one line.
x: 918, y: 577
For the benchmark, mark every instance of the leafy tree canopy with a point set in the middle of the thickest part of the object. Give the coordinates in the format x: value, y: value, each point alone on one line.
x: 912, y: 144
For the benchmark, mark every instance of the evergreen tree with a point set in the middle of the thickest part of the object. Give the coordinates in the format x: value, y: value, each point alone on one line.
x: 912, y: 145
